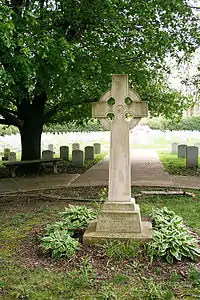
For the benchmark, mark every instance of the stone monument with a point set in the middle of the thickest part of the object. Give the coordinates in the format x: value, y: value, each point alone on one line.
x: 119, y: 110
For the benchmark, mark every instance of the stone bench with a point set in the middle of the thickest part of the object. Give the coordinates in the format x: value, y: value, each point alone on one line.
x: 12, y: 165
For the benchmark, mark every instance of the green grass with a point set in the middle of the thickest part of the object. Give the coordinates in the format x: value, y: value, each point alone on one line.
x: 175, y: 165
x: 17, y: 281
x: 187, y: 207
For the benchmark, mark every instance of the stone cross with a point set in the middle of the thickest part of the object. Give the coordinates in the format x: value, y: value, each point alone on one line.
x: 120, y: 215
x: 121, y: 103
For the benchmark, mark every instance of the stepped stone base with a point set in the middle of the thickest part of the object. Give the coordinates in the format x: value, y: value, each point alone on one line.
x: 118, y: 221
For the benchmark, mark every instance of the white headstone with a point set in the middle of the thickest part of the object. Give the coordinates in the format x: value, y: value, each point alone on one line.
x: 75, y: 146
x: 89, y: 153
x: 47, y: 154
x: 13, y: 156
x: 182, y: 151
x: 77, y: 158
x: 174, y: 148
x: 97, y: 148
x: 64, y: 152
x: 120, y: 216
x: 192, y: 157
x: 50, y: 147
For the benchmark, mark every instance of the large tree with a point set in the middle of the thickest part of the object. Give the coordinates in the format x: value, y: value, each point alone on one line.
x: 56, y: 57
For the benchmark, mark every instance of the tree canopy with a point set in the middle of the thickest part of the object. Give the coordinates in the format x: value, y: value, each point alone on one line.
x: 56, y: 57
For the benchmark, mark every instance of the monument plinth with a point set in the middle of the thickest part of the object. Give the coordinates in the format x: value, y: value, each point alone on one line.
x: 120, y: 109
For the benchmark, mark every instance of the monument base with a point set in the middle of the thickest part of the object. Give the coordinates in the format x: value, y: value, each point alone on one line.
x: 120, y: 221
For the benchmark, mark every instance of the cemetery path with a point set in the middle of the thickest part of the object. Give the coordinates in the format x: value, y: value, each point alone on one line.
x: 146, y: 168
x: 38, y: 182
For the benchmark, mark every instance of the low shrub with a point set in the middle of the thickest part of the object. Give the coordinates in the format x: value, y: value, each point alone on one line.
x: 186, y: 123
x: 59, y: 238
x: 59, y: 243
x: 171, y: 239
x: 77, y: 216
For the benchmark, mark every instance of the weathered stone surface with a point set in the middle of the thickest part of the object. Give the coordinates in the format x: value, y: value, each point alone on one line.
x: 50, y: 147
x: 89, y: 153
x: 64, y: 152
x: 92, y: 236
x: 75, y: 146
x: 77, y: 158
x: 12, y: 156
x: 191, y: 156
x: 182, y: 151
x: 47, y: 154
x: 174, y: 148
x: 97, y: 148
x: 120, y: 216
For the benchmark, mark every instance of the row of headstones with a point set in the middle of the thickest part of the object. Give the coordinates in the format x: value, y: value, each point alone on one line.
x: 8, y: 155
x: 76, y: 146
x: 78, y: 156
x: 189, y: 152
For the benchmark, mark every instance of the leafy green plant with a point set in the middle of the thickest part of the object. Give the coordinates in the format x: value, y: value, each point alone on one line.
x: 171, y: 239
x: 60, y: 243
x: 87, y: 271
x: 154, y: 291
x: 57, y: 226
x: 77, y: 216
x: 59, y: 238
x: 194, y: 276
x: 118, y: 250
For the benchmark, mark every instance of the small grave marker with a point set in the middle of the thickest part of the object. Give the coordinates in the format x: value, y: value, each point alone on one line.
x: 182, y: 151
x: 64, y: 152
x: 89, y: 153
x: 97, y: 148
x: 77, y: 158
x: 192, y: 157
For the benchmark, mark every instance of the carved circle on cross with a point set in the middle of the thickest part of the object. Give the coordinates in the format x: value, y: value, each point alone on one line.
x: 119, y: 110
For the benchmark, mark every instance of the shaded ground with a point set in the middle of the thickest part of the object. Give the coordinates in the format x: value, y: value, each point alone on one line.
x: 27, y: 273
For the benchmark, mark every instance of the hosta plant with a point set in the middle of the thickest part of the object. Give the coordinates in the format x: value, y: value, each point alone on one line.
x: 171, y: 239
x: 60, y: 237
x: 59, y: 243
x: 77, y: 216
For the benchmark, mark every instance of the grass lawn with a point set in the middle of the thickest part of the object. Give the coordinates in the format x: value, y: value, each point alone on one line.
x: 26, y: 273
x: 175, y: 165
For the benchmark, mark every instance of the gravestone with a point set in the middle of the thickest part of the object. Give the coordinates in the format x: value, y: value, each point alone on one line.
x: 64, y: 152
x: 6, y: 154
x: 182, y: 151
x: 47, y: 154
x: 77, y: 158
x: 75, y: 146
x: 192, y: 157
x: 50, y: 147
x: 89, y: 153
x: 174, y: 148
x: 97, y: 148
x: 12, y: 156
x: 120, y: 216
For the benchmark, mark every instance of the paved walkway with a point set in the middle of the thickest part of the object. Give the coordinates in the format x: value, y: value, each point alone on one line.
x: 146, y: 170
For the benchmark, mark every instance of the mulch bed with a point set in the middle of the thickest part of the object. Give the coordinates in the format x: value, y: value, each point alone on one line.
x: 31, y: 256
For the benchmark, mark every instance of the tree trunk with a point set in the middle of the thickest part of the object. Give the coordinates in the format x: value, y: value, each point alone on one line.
x: 31, y: 146
x: 31, y: 141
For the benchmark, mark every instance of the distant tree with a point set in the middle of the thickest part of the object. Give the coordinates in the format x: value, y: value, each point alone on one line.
x: 56, y: 57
